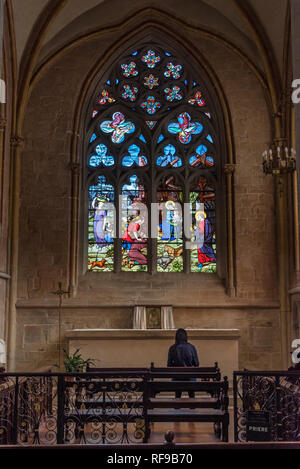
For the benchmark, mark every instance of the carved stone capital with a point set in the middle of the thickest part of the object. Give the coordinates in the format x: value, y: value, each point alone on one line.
x: 229, y: 168
x: 17, y: 141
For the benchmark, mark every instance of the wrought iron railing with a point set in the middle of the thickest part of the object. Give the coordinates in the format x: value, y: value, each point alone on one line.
x: 49, y: 409
x: 266, y: 406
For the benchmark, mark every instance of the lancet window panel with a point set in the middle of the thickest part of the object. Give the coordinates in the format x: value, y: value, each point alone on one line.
x: 151, y: 129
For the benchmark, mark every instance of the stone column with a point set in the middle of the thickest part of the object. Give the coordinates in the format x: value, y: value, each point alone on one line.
x: 295, y: 291
x: 17, y: 143
x: 4, y: 276
x: 229, y: 170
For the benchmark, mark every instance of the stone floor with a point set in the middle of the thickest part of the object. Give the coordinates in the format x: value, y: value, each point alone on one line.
x: 194, y: 432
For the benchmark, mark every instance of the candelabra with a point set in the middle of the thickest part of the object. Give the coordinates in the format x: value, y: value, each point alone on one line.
x: 279, y: 159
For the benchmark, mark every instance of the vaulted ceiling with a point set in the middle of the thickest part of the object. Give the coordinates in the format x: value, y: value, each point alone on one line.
x: 74, y: 17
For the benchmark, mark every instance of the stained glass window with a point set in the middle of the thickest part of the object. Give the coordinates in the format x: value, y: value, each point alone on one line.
x: 152, y: 146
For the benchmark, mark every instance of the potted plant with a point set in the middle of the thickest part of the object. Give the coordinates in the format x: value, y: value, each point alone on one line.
x: 74, y: 363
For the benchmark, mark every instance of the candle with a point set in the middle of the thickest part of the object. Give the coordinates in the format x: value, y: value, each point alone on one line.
x: 286, y: 153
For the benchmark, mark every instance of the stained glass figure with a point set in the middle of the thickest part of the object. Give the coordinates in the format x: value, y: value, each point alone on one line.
x: 130, y: 92
x: 169, y: 242
x: 101, y: 157
x: 172, y: 94
x: 169, y: 158
x: 185, y: 128
x: 197, y: 99
x: 202, y: 202
x: 173, y: 71
x: 151, y: 81
x: 105, y: 98
x: 150, y: 59
x: 158, y: 124
x: 151, y: 105
x: 134, y: 226
x: 101, y: 226
x: 118, y: 127
x: 129, y: 70
x: 200, y: 159
x: 134, y: 157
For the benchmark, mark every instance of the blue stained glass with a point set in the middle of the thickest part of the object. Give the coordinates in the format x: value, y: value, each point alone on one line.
x: 134, y: 157
x: 101, y: 226
x: 93, y: 137
x: 168, y: 54
x: 169, y: 242
x: 101, y: 157
x: 108, y: 82
x: 117, y: 81
x: 194, y: 83
x: 160, y: 138
x: 209, y: 138
x: 141, y: 137
x: 200, y: 159
x: 169, y: 158
x: 185, y: 82
x: 135, y: 53
x: 134, y: 226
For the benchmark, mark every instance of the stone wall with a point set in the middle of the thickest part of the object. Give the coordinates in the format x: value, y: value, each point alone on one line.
x: 106, y: 300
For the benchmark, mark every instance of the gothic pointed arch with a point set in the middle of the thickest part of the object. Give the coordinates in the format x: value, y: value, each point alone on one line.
x: 154, y: 136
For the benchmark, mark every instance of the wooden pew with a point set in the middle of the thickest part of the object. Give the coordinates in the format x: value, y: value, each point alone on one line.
x: 202, y: 373
x: 198, y: 409
x: 94, y: 391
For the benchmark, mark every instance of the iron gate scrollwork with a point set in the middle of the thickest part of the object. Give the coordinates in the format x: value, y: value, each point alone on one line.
x: 82, y: 408
x: 277, y: 394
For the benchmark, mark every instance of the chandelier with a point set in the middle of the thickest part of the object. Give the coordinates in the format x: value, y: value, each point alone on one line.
x: 279, y: 159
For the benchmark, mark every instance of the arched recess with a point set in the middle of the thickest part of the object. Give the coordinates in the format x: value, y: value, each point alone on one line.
x: 210, y: 82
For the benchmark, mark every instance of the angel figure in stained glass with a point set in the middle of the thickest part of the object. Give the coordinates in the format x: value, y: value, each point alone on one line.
x: 169, y: 157
x: 118, y: 127
x: 185, y: 128
x: 99, y: 220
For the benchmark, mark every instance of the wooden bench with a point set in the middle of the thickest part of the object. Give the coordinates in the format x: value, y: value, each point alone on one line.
x: 128, y: 395
x: 202, y: 373
x: 199, y: 409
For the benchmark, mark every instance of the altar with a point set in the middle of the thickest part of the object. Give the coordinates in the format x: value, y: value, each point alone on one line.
x: 140, y: 347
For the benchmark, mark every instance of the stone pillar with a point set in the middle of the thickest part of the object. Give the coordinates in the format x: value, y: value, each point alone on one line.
x: 295, y: 291
x: 229, y: 170
x: 4, y: 276
x: 16, y: 147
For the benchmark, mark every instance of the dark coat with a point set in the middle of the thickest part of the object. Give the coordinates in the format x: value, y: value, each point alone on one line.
x: 184, y: 354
